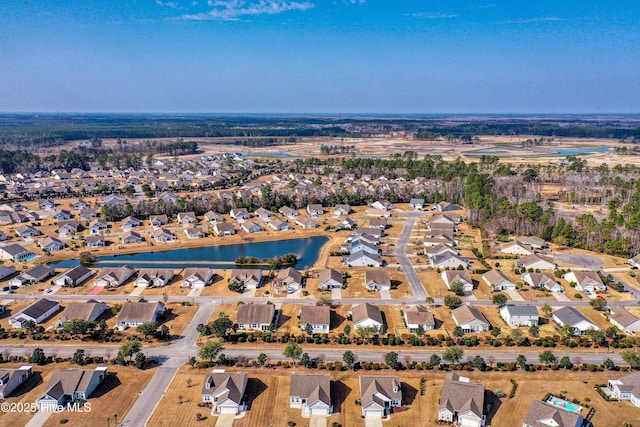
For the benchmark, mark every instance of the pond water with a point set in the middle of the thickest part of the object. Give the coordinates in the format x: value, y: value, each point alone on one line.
x: 220, y: 257
x: 573, y: 151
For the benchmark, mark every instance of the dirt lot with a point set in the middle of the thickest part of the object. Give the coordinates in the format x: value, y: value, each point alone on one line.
x: 269, y: 388
x: 114, y: 396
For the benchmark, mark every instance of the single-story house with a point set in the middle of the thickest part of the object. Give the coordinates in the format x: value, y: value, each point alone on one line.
x: 448, y: 260
x: 263, y: 213
x: 329, y: 279
x: 96, y: 241
x: 542, y: 280
x: 135, y: 314
x: 194, y: 233
x: 278, y: 225
x: 37, y: 312
x: 363, y: 259
x: 626, y: 388
x: 289, y: 280
x: 97, y: 225
x: 417, y: 317
x: 366, y: 315
x: 162, y: 235
x: 311, y: 393
x: 224, y: 229
x: 447, y: 207
x: 186, y: 218
x: 535, y: 262
x: 256, y: 317
x: 315, y: 210
x: 306, y: 223
x: 461, y: 401
x: 571, y: 316
x: 624, y: 320
x: 341, y: 210
x: 543, y: 414
x: 14, y: 252
x: 6, y: 271
x: 379, y: 394
x: 239, y: 213
x: 225, y: 391
x: 532, y: 241
x: 519, y: 315
x: 51, y: 244
x: 130, y: 222
x: 153, y: 277
x: 251, y: 279
x: 458, y: 276
x: 212, y: 216
x: 587, y: 281
x: 515, y: 248
x: 318, y: 316
x: 196, y: 278
x: 37, y: 274
x: 69, y: 385
x: 470, y: 319
x: 497, y: 281
x: 74, y: 277
x: 114, y: 276
x: 87, y: 310
x: 288, y: 212
x: 375, y: 280
x: 11, y: 379
x: 158, y: 220
x: 416, y: 204
x: 130, y: 237
x: 251, y: 227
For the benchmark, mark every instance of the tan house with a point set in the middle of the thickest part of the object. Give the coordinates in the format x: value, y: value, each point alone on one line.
x: 470, y: 319
x: 69, y: 385
x: 375, y: 280
x: 136, y: 313
x: 256, y: 317
x: 311, y: 393
x: 225, y: 390
x: 417, y: 317
x: 461, y: 401
x: 318, y: 316
x: 379, y: 394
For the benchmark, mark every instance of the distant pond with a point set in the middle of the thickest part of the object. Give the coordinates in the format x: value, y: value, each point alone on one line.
x: 574, y: 151
x: 220, y: 257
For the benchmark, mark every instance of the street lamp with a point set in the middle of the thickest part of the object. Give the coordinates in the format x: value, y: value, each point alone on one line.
x: 108, y: 421
x: 115, y: 419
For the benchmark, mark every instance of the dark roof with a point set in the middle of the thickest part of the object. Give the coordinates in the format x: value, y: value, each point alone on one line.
x: 39, y: 307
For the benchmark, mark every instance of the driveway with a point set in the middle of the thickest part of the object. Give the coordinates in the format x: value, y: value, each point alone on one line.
x: 225, y: 420
x: 385, y: 294
x: 559, y: 296
x: 318, y: 421
x: 373, y: 422
x: 336, y: 293
x: 39, y: 418
x: 514, y: 295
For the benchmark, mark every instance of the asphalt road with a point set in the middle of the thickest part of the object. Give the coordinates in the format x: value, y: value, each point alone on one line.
x: 417, y: 288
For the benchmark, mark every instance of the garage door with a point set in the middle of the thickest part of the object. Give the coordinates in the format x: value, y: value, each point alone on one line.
x: 374, y: 413
x: 319, y: 411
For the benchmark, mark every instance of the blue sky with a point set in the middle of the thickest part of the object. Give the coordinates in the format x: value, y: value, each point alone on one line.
x: 314, y: 56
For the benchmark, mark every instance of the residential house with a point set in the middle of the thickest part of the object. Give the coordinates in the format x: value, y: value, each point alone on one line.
x: 194, y: 233
x: 97, y: 225
x: 635, y: 262
x: 623, y: 320
x: 36, y: 274
x: 251, y: 227
x: 542, y: 280
x: 347, y: 224
x: 571, y: 316
x: 158, y: 220
x: 379, y: 394
x: 256, y: 317
x: 329, y: 279
x: 360, y: 245
x: 288, y: 212
x: 534, y: 242
x: 131, y: 237
x: 289, y: 280
x: 439, y: 250
x: 130, y: 222
x: 11, y: 379
x: 251, y: 279
x: 379, y: 224
x: 224, y: 229
x: 62, y: 215
x: 377, y: 212
x: 416, y: 204
x: 88, y: 213
x: 515, y: 248
x: 311, y: 393
x: 315, y: 210
x: 74, y: 277
x: 69, y: 385
x: 263, y: 213
x: 448, y: 260
x: 341, y: 210
x: 497, y: 281
x: 447, y: 207
x: 375, y: 280
x: 419, y: 317
x: 6, y: 271
x: 470, y: 319
x: 212, y: 216
x: 51, y: 244
x: 519, y: 315
x: 626, y: 388
x: 114, y: 276
x: 458, y: 276
x: 186, y: 218
x: 135, y: 314
x: 318, y: 316
x: 225, y: 391
x: 26, y: 231
x: 239, y: 213
x: 67, y: 228
x: 363, y: 259
x: 587, y: 281
x: 47, y: 204
x: 535, y: 262
x: 197, y: 278
x: 279, y: 225
x: 162, y: 235
x: 97, y: 241
x: 79, y: 204
x: 87, y: 310
x: 37, y: 312
x: 153, y: 277
x: 366, y: 315
x: 306, y: 223
x: 382, y: 205
x: 543, y: 414
x: 461, y: 401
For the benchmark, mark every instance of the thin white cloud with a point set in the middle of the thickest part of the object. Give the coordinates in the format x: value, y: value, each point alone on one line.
x: 424, y: 15
x: 232, y: 10
x: 170, y: 4
x: 534, y: 20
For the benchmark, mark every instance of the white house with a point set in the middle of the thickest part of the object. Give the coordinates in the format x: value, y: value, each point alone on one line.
x: 37, y: 312
x: 571, y: 316
x: 448, y: 260
x: 375, y: 280
x: 329, y: 279
x: 363, y: 259
x: 135, y: 314
x: 587, y: 281
x: 74, y: 277
x: 69, y: 385
x: 153, y: 277
x: 542, y: 280
x: 11, y: 379
x: 626, y: 388
x: 114, y: 276
x: 318, y: 316
x: 470, y: 319
x: 458, y: 276
x: 225, y: 391
x: 535, y: 262
x: 519, y: 315
x: 196, y: 278
x: 624, y: 320
x: 419, y: 317
x: 311, y: 393
x: 497, y: 281
x: 366, y: 315
x: 515, y: 248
